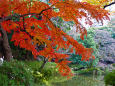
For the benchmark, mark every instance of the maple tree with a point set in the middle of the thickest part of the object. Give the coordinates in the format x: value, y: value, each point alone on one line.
x: 30, y: 21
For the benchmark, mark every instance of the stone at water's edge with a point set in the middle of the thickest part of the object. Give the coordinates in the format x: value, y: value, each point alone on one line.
x: 1, y: 61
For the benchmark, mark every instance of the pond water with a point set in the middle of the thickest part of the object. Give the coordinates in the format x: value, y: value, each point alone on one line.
x: 81, y: 80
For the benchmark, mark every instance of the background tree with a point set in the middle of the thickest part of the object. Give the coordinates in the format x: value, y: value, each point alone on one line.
x: 30, y: 21
x: 102, y: 3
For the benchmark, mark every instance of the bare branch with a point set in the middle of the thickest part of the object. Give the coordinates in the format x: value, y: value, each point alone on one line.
x: 109, y: 4
x: 10, y: 17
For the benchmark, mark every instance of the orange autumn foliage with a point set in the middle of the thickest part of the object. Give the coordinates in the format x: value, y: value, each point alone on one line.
x: 29, y: 30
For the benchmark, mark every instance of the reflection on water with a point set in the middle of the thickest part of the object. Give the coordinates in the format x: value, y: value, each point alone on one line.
x: 81, y: 80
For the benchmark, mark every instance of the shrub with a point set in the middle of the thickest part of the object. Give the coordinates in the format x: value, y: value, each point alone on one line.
x: 40, y: 76
x: 15, y: 73
x: 110, y: 78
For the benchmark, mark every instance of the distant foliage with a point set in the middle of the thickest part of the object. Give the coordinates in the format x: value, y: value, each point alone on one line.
x: 88, y: 43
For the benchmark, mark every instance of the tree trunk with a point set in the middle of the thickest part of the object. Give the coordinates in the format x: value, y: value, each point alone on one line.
x: 5, y: 49
x: 43, y: 64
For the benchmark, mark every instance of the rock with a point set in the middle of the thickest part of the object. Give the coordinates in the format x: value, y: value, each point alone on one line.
x: 1, y: 61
